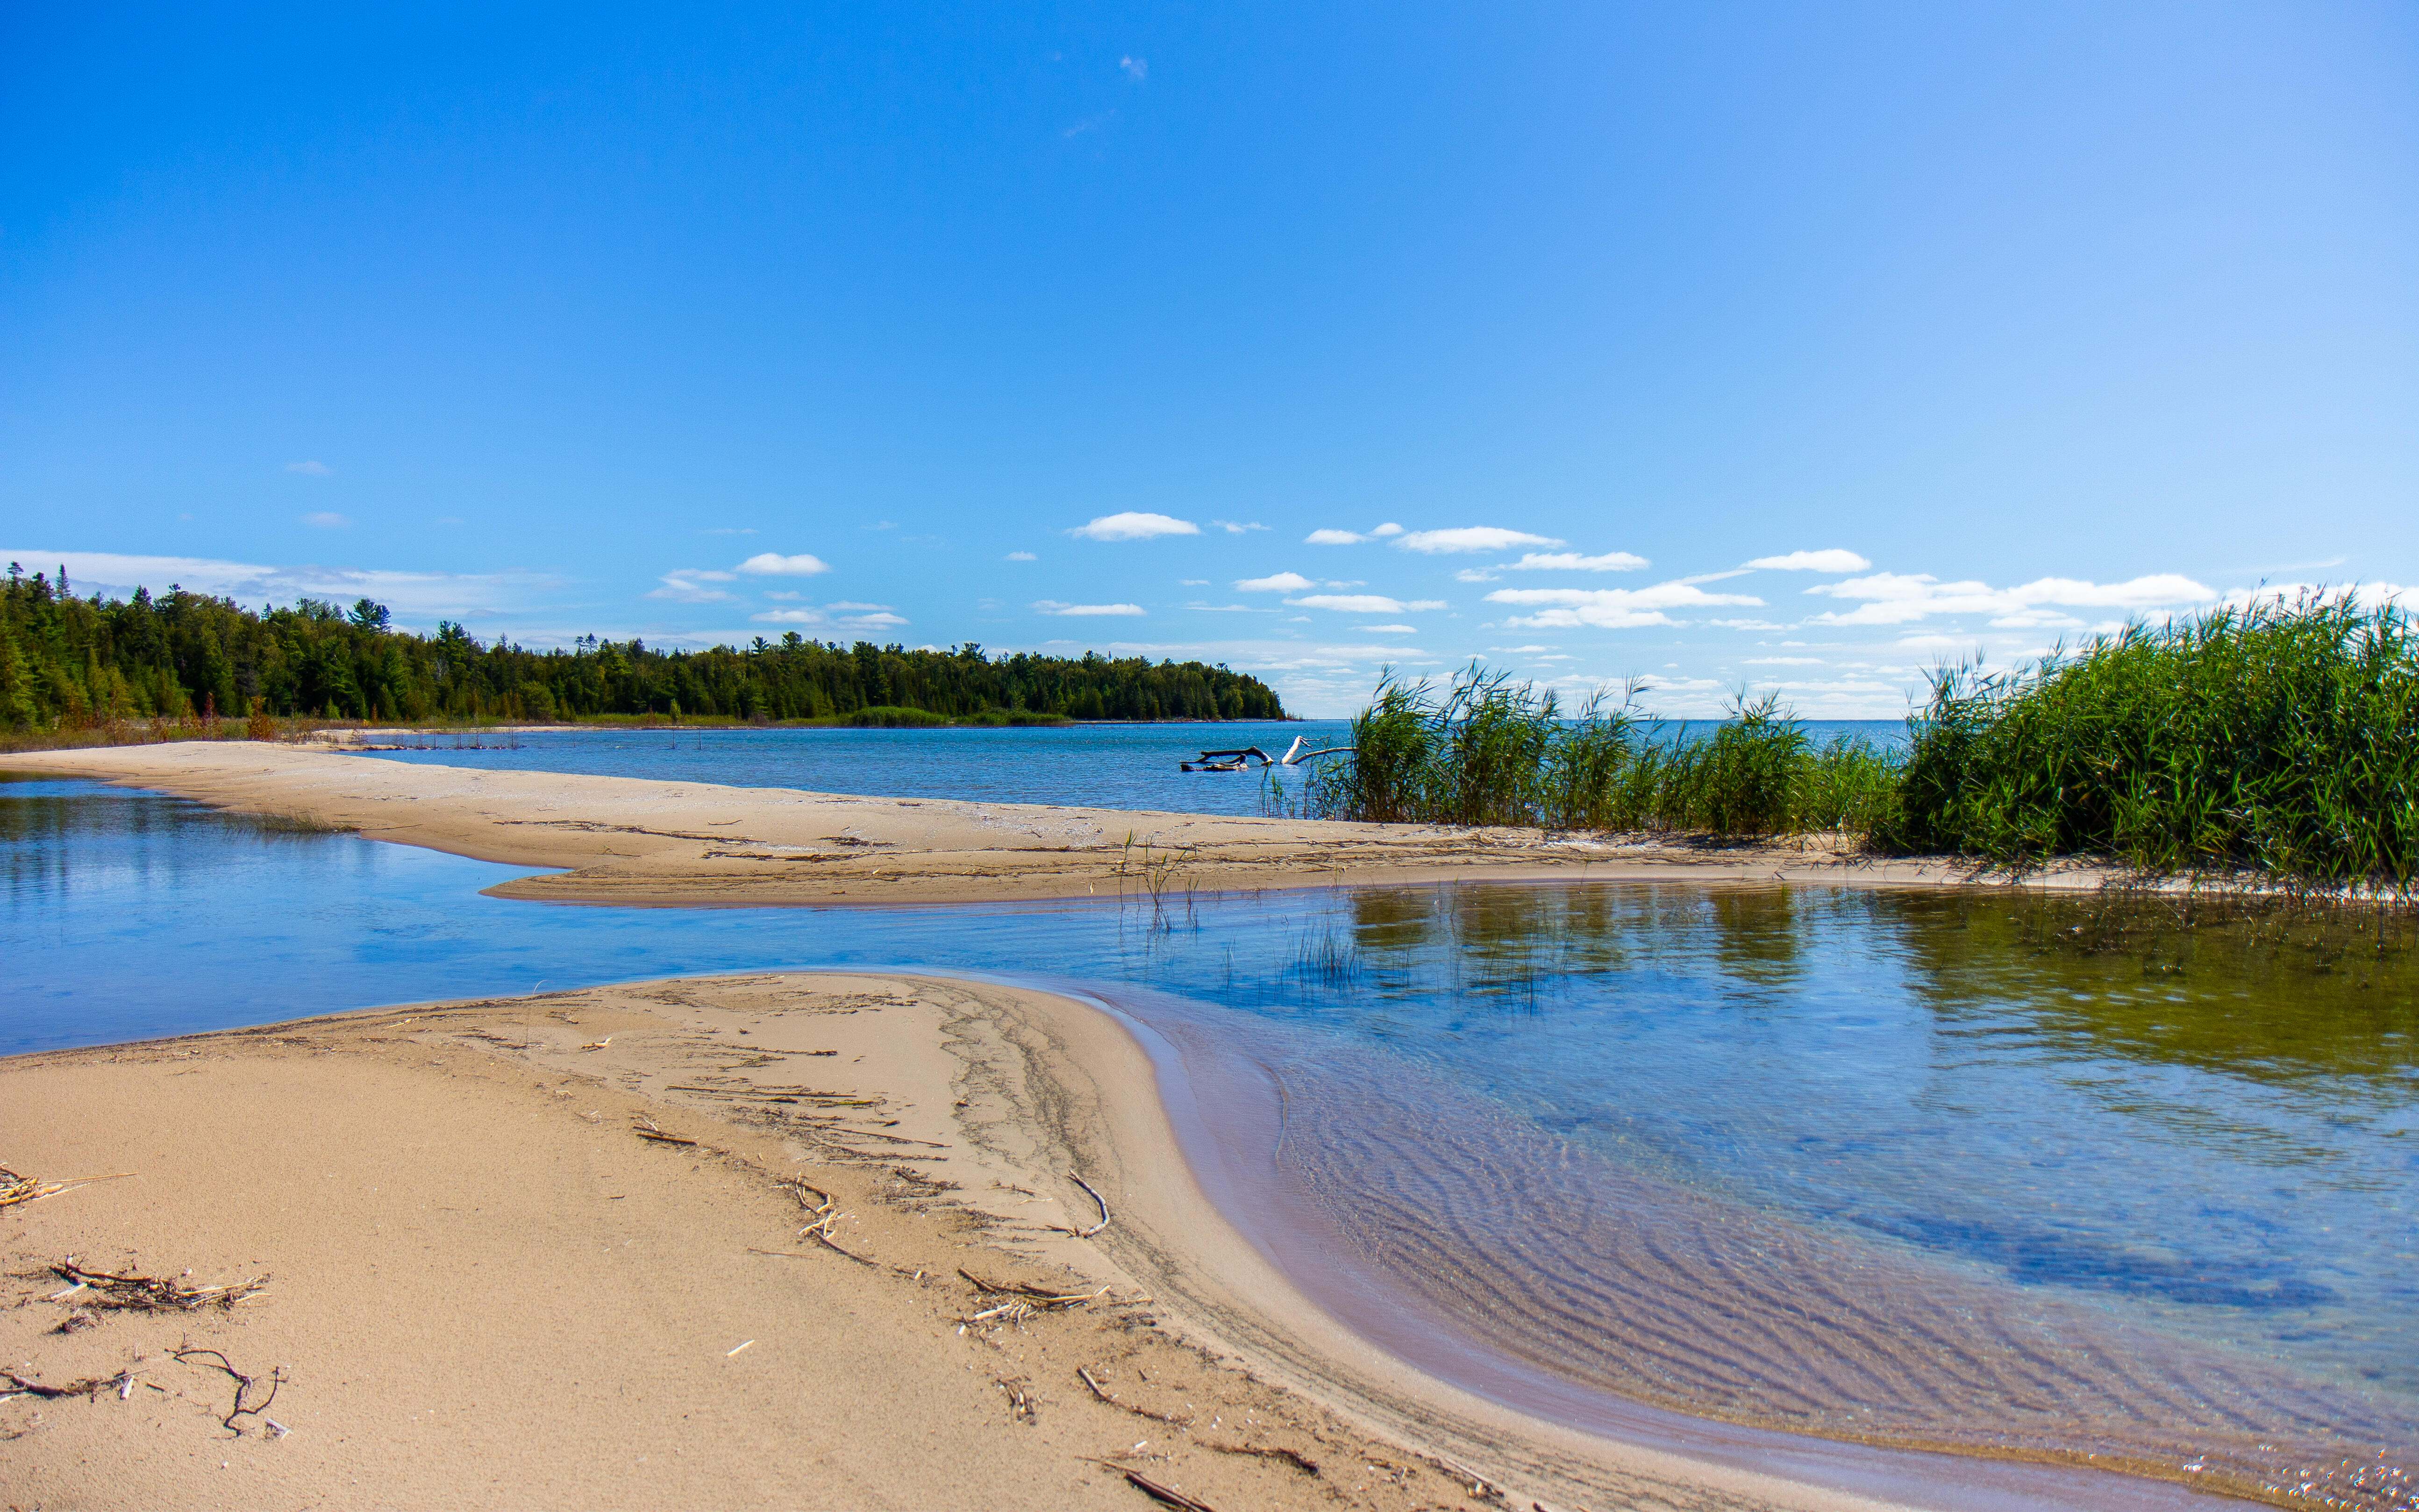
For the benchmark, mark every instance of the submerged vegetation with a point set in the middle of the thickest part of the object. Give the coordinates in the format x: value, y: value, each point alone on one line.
x: 2280, y: 740
x: 69, y: 664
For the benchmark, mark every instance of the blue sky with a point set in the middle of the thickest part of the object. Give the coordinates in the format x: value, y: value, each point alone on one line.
x: 1755, y: 346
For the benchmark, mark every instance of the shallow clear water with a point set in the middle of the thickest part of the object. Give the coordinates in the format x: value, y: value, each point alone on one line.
x: 1100, y: 765
x: 1921, y: 1168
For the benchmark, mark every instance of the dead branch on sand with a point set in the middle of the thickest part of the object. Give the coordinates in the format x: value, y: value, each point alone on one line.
x: 1292, y: 1456
x: 92, y: 1386
x: 112, y: 1293
x: 244, y: 1384
x: 1164, y: 1493
x: 1087, y: 1233
x: 15, y: 1189
x: 646, y: 1129
x: 824, y: 1215
x: 1109, y: 1397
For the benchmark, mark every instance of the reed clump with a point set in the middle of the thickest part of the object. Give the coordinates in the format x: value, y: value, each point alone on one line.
x: 1486, y: 749
x: 2280, y: 739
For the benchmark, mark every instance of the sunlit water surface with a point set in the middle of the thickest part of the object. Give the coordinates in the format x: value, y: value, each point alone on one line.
x: 1946, y: 1169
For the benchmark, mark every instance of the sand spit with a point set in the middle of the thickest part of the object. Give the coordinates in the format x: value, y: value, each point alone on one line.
x: 629, y: 840
x: 801, y: 1240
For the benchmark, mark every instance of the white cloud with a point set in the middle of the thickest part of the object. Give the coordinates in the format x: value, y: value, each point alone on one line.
x: 1748, y: 624
x: 1573, y: 561
x: 1326, y: 538
x: 1899, y: 598
x: 1022, y: 556
x: 1833, y: 559
x: 789, y: 616
x: 774, y: 564
x: 1471, y: 538
x: 313, y: 470
x: 1051, y: 605
x: 690, y: 585
x: 326, y: 519
x: 1232, y: 528
x: 1134, y: 525
x: 840, y: 614
x: 1136, y: 68
x: 1389, y: 629
x: 1476, y: 575
x: 1610, y: 609
x: 1390, y: 527
x: 412, y: 595
x: 1279, y: 582
x: 2368, y: 595
x: 1786, y: 661
x: 1364, y: 603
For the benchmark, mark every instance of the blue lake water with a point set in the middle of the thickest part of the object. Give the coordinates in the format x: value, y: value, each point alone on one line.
x: 1924, y: 1168
x: 1099, y: 765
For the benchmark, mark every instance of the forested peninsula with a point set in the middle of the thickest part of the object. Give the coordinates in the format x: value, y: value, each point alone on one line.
x: 67, y: 661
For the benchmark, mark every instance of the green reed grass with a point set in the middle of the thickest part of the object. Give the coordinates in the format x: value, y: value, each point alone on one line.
x: 1488, y: 750
x: 2281, y: 739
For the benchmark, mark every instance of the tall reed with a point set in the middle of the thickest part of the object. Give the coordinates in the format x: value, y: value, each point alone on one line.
x: 2281, y: 739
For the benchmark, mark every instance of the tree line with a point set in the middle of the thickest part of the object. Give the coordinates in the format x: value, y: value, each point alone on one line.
x: 66, y: 661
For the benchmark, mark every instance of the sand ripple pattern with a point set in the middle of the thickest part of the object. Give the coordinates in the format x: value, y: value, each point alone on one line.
x: 1531, y: 1246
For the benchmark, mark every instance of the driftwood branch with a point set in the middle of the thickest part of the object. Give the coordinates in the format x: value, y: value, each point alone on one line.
x: 213, y: 1360
x: 1165, y: 1494
x: 1087, y: 1233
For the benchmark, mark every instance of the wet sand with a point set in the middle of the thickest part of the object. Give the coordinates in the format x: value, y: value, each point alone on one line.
x: 488, y: 1285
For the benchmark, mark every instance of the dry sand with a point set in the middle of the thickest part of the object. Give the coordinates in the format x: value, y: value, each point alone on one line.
x: 630, y: 841
x: 488, y: 1288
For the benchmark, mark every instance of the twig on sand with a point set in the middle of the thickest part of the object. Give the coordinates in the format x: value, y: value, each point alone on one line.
x: 1164, y: 1493
x: 1107, y: 1396
x: 646, y: 1129
x: 1026, y: 1288
x: 1087, y: 1233
x: 92, y: 1386
x: 1481, y: 1488
x: 148, y: 1293
x: 824, y: 1215
x: 213, y: 1360
x: 1292, y: 1456
x: 15, y: 1189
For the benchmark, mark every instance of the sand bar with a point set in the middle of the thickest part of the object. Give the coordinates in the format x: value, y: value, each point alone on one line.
x: 631, y: 841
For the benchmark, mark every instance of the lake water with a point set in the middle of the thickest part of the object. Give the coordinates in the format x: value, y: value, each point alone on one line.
x: 1917, y: 1169
x: 1099, y: 765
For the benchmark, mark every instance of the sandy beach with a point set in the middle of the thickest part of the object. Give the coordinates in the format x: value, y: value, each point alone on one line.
x: 570, y: 1250
x: 629, y: 840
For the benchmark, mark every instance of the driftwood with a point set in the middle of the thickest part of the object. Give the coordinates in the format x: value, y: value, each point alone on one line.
x: 111, y: 1292
x: 1165, y: 1494
x: 18, y: 1385
x: 1240, y: 759
x: 1087, y: 1233
x: 213, y: 1360
x: 15, y: 1189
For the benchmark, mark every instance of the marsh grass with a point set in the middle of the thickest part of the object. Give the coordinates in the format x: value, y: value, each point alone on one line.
x: 2280, y: 740
x: 1486, y: 749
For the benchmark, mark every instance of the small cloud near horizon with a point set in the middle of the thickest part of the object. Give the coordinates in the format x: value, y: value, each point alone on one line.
x: 1021, y: 556
x: 312, y: 470
x: 1466, y: 538
x: 1364, y: 603
x: 1276, y: 582
x: 774, y: 564
x: 1573, y: 561
x: 1834, y: 560
x: 1333, y: 538
x: 1051, y: 605
x: 1134, y: 525
x: 1233, y: 528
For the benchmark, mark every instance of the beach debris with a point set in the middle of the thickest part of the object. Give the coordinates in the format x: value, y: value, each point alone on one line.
x: 1039, y: 1296
x: 213, y: 1360
x: 597, y: 1044
x: 1240, y: 759
x: 1480, y: 1489
x: 1020, y: 1401
x: 727, y: 1354
x: 17, y: 1385
x: 1291, y: 1457
x: 112, y: 1293
x: 1162, y: 1494
x: 1087, y: 1233
x: 646, y: 1129
x: 1109, y: 1397
x: 15, y: 1189
x: 823, y: 1212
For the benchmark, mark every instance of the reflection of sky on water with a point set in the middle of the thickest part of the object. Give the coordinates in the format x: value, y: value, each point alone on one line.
x: 2207, y: 1132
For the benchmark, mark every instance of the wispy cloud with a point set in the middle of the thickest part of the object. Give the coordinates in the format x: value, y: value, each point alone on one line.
x: 841, y: 614
x: 1051, y: 605
x: 1464, y: 538
x: 1021, y: 556
x: 313, y: 470
x: 1364, y: 603
x: 326, y: 519
x: 1833, y: 559
x: 1389, y: 629
x: 411, y: 594
x: 1334, y: 537
x: 1134, y: 525
x: 729, y: 529
x: 1136, y: 68
x: 1899, y: 598
x: 691, y: 585
x: 1573, y: 561
x: 1276, y: 582
x: 1237, y: 528
x: 774, y: 564
x: 1610, y: 609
